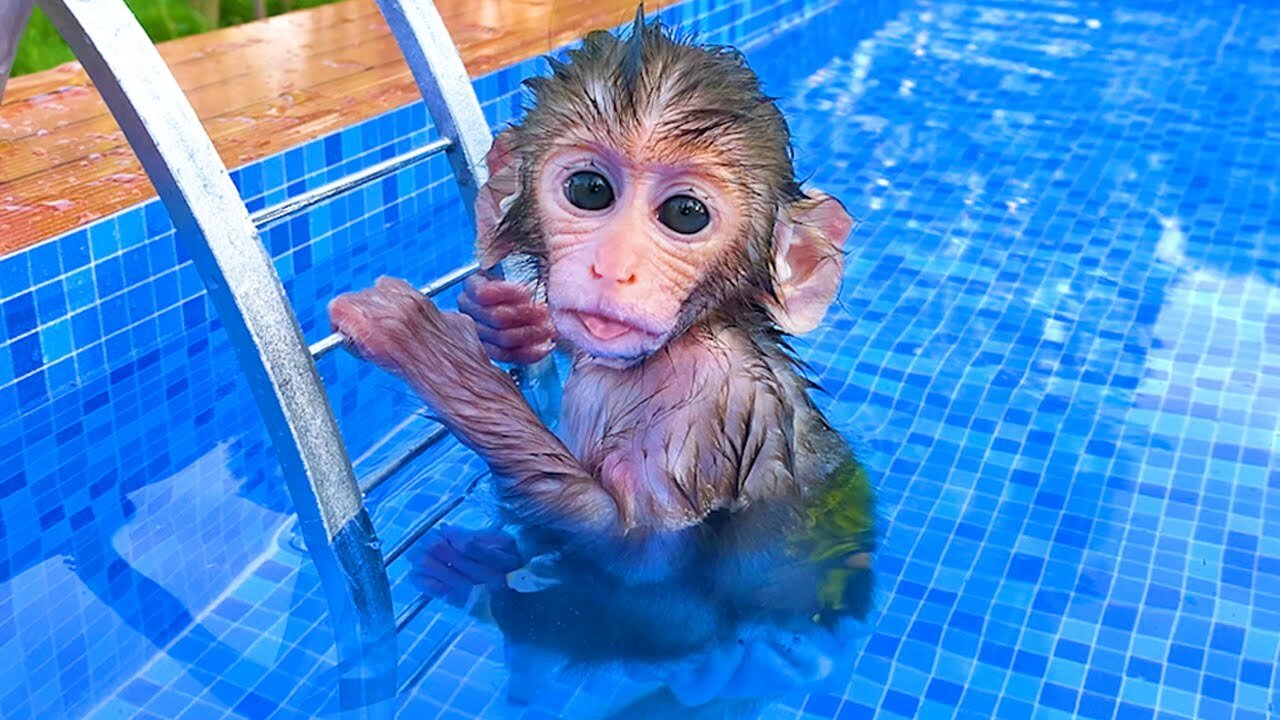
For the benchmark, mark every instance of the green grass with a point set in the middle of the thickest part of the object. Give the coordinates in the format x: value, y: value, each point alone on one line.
x: 41, y: 47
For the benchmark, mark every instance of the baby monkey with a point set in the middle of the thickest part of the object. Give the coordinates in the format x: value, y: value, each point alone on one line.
x: 699, y: 519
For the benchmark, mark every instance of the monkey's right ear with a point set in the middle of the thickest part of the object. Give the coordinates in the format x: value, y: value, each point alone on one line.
x: 808, y: 263
x: 495, y: 198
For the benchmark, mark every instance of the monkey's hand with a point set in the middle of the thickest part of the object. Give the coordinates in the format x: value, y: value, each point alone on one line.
x: 441, y: 357
x: 393, y: 326
x: 513, y: 326
x: 762, y: 661
x: 450, y: 561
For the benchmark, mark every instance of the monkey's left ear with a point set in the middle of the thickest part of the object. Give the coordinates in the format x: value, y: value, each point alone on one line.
x: 808, y: 262
x: 495, y: 198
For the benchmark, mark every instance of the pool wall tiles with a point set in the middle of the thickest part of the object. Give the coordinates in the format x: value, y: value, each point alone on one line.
x: 108, y: 386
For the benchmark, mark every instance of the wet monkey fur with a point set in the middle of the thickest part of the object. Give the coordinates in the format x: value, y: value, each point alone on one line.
x: 694, y: 517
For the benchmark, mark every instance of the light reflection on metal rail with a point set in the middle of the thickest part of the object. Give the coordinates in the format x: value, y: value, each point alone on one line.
x: 327, y: 345
x: 442, y: 78
x: 415, y: 533
x: 311, y: 198
x: 214, y: 224
x: 375, y: 479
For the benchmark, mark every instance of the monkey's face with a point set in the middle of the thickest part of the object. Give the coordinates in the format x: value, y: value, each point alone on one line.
x: 652, y: 181
x: 628, y: 241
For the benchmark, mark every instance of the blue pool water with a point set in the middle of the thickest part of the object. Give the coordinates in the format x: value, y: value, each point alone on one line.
x: 1058, y: 346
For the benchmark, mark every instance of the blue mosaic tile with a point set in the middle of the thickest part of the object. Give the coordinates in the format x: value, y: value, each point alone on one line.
x: 1058, y: 342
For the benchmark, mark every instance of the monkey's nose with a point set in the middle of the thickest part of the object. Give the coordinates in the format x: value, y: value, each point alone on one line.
x: 622, y: 277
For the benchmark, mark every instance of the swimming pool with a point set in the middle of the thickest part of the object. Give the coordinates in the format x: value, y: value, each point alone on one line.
x: 1058, y: 346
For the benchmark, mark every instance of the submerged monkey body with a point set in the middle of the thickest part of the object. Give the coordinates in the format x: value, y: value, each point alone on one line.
x: 698, y: 507
x: 710, y: 531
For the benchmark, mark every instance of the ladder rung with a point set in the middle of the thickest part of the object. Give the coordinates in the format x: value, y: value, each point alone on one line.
x: 416, y: 532
x: 295, y: 205
x: 411, y: 611
x: 384, y: 473
x: 323, y: 347
x: 430, y: 661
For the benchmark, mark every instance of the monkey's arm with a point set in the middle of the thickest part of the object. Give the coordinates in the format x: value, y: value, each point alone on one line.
x: 442, y: 358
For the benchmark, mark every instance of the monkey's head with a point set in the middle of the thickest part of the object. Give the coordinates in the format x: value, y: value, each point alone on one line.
x: 652, y: 181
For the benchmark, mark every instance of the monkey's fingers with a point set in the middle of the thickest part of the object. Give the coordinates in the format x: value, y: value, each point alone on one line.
x: 504, y: 315
x: 436, y: 578
x: 390, y: 284
x: 439, y: 580
x: 469, y: 568
x: 516, y: 338
x: 485, y: 291
x: 347, y: 316
x: 491, y: 548
x: 522, y: 356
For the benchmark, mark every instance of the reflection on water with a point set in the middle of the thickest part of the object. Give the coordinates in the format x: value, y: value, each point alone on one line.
x: 95, y: 569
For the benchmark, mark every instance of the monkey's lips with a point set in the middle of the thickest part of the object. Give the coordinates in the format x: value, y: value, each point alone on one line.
x: 607, y: 336
x: 604, y: 328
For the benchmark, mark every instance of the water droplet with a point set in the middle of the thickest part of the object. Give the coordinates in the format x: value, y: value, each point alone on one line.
x: 59, y: 205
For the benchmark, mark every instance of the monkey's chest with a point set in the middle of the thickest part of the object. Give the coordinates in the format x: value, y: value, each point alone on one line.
x: 650, y: 448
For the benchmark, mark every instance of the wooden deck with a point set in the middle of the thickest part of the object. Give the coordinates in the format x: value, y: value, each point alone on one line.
x: 258, y: 88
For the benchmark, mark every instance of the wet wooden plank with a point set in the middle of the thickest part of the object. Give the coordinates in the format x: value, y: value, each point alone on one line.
x: 259, y: 89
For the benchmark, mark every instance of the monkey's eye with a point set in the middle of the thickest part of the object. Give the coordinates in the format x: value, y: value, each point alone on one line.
x: 684, y: 214
x: 588, y: 190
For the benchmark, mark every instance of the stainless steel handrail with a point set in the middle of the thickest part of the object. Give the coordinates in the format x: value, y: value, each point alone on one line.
x: 307, y: 200
x: 430, y: 660
x: 411, y: 611
x: 442, y: 78
x: 428, y: 521
x: 375, y: 479
x: 214, y: 223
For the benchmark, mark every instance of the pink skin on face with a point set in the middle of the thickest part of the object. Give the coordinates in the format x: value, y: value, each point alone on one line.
x: 618, y: 277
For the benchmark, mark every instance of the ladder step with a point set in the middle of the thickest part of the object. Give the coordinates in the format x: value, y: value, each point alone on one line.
x: 429, y: 521
x: 411, y: 611
x: 371, y: 482
x: 323, y: 347
x: 311, y: 198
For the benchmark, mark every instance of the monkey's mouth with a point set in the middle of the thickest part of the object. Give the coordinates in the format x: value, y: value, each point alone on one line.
x: 606, y: 336
x: 603, y: 328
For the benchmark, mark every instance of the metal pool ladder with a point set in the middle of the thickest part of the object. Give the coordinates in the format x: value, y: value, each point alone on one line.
x: 223, y: 238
